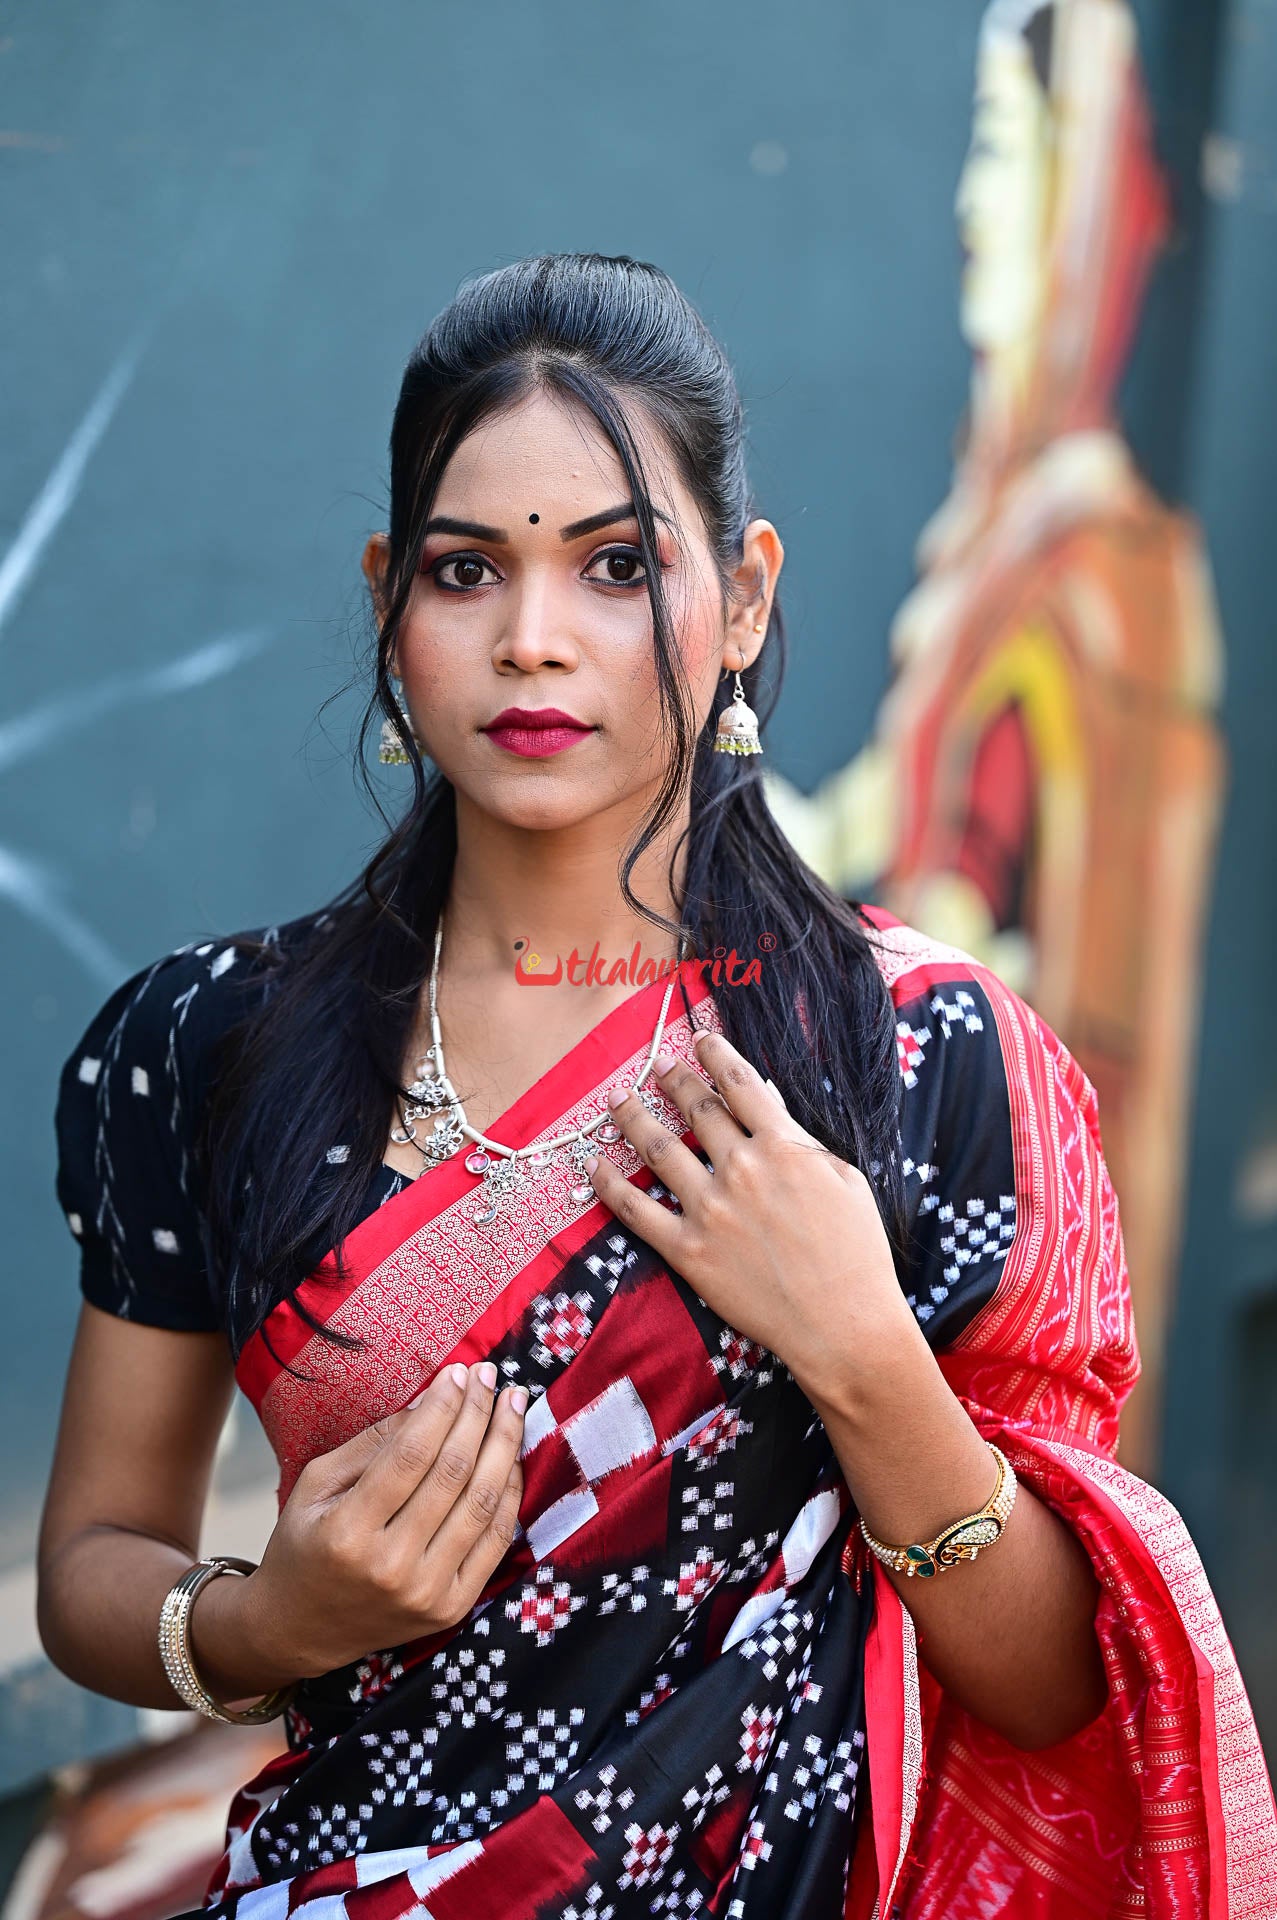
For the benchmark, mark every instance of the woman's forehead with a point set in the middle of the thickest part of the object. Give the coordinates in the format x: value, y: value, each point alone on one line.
x: 549, y: 456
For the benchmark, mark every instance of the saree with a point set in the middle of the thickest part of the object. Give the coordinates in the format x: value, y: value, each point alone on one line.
x: 688, y: 1688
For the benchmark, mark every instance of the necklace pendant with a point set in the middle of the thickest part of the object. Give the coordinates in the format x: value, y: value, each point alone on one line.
x: 503, y: 1180
x: 428, y: 1092
x: 444, y: 1141
x: 581, y: 1192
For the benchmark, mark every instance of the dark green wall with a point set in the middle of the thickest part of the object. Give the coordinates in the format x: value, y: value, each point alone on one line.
x: 224, y: 227
x: 1220, y: 1458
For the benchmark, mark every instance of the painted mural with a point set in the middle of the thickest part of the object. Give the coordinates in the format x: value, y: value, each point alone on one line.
x: 1045, y: 778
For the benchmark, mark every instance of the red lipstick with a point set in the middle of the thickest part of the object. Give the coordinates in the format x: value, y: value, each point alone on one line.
x: 535, y: 732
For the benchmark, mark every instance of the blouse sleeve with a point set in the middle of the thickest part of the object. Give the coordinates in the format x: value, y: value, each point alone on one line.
x: 1018, y: 1275
x: 125, y: 1177
x: 1054, y: 1346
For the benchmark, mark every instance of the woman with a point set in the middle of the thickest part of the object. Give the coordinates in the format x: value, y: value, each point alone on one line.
x: 599, y: 1464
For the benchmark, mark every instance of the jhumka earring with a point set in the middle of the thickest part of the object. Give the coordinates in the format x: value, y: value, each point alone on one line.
x: 738, y: 723
x: 391, y: 751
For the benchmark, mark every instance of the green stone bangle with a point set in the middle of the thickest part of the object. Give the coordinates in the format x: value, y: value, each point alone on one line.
x: 962, y: 1539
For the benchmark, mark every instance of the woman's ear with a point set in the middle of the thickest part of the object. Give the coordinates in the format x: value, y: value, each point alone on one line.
x: 375, y: 560
x: 756, y: 576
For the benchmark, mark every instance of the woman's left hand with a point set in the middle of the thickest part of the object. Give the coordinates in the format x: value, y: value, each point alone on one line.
x: 781, y: 1238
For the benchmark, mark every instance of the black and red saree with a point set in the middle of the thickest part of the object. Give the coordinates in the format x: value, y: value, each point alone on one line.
x: 688, y: 1690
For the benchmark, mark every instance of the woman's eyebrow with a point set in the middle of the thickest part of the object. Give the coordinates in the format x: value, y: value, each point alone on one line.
x: 607, y: 518
x: 473, y: 530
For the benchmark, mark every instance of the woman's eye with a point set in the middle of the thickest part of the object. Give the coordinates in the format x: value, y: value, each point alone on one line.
x: 462, y: 572
x: 622, y: 558
x: 469, y: 571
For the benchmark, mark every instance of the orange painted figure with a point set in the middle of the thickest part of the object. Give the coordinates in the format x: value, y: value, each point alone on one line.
x: 1046, y: 774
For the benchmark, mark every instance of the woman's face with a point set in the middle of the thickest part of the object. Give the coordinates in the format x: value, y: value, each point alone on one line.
x: 519, y: 604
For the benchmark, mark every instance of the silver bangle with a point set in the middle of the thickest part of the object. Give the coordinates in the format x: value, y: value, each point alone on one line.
x: 175, y: 1646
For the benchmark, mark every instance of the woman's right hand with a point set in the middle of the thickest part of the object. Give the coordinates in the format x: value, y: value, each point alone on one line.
x: 393, y: 1535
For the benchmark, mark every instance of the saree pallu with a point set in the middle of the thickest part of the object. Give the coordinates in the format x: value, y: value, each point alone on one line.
x: 688, y: 1689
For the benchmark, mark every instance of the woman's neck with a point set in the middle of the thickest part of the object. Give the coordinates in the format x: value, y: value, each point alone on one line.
x: 555, y: 890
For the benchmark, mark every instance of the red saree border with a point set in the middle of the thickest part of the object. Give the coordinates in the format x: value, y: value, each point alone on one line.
x: 909, y: 960
x: 893, y: 1740
x: 496, y: 1321
x: 600, y: 1057
x: 1043, y: 1368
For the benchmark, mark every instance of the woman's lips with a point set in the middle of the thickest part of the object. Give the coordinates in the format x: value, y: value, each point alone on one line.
x: 534, y: 742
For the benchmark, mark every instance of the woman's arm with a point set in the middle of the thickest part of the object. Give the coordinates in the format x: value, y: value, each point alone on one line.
x: 385, y: 1539
x: 141, y: 1414
x: 1010, y: 1634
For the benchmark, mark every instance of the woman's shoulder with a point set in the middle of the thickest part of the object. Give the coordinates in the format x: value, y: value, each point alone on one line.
x: 910, y: 960
x: 129, y: 1097
x: 955, y: 1119
x: 171, y: 1011
x: 999, y: 1126
x: 955, y: 1011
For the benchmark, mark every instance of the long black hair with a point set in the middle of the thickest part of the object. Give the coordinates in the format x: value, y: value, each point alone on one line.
x: 320, y: 1057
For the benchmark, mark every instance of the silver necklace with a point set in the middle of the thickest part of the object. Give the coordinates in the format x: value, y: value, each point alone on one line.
x: 432, y: 1097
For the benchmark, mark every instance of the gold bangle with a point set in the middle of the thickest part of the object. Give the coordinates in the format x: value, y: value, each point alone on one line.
x: 962, y: 1539
x: 175, y: 1646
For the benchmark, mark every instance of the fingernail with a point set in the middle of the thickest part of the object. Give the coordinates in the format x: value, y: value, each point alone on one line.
x: 459, y: 1375
x: 487, y: 1373
x: 617, y: 1095
x: 417, y: 1398
x: 663, y: 1061
x: 519, y: 1399
x: 591, y: 1163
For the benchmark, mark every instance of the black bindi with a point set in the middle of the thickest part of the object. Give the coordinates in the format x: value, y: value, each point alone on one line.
x: 534, y: 517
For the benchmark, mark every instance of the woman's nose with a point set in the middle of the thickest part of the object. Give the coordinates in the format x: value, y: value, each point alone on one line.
x: 535, y: 633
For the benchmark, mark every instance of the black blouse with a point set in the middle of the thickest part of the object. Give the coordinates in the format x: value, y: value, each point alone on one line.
x: 129, y: 1097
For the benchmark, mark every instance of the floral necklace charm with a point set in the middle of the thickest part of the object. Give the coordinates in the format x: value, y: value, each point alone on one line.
x: 445, y: 1138
x: 503, y: 1181
x: 581, y: 1192
x: 429, y: 1099
x: 427, y: 1091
